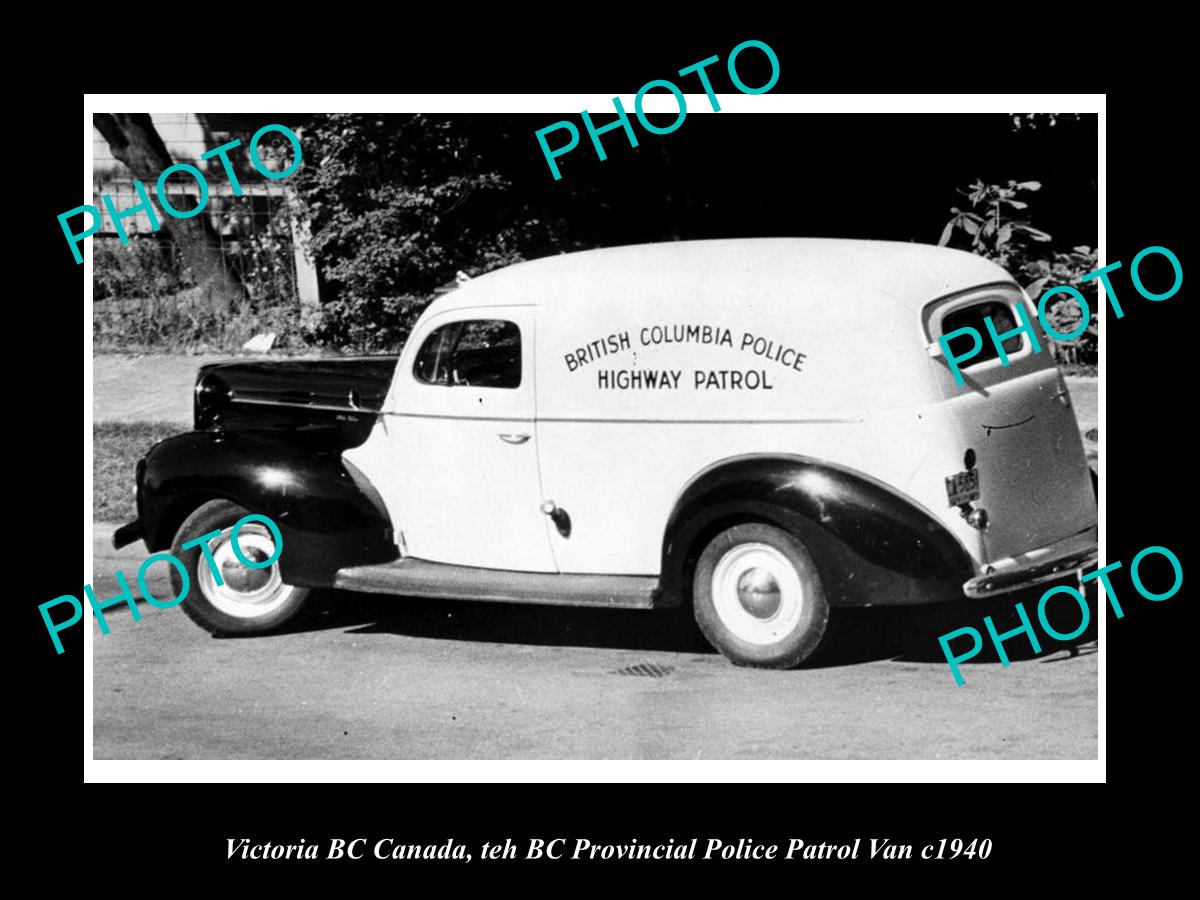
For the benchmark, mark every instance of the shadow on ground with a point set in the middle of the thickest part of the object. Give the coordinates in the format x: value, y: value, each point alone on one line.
x: 860, y: 635
x: 504, y: 623
x: 911, y: 633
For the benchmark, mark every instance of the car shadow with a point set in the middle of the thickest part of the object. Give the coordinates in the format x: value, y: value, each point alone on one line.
x: 908, y: 633
x: 503, y: 623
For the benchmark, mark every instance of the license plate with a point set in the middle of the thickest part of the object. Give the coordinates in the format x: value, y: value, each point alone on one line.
x: 963, y: 487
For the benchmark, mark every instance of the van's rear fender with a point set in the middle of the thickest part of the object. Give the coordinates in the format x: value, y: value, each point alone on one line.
x: 871, y: 545
x: 328, y: 514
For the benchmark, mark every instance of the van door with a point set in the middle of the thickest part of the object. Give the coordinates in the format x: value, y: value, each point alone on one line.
x: 461, y: 426
x: 1033, y: 477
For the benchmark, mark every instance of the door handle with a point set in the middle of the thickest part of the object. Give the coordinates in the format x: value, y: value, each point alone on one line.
x: 514, y: 438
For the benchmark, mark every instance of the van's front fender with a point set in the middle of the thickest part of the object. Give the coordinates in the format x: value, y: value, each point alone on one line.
x: 872, y: 546
x: 328, y: 514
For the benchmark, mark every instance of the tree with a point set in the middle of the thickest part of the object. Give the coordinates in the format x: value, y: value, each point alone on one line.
x: 134, y: 141
x: 399, y: 204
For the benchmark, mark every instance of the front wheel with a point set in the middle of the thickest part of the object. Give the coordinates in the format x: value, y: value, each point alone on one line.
x: 242, y: 599
x: 758, y: 598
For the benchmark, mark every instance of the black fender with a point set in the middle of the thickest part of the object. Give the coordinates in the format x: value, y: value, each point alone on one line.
x: 872, y: 545
x: 329, y: 515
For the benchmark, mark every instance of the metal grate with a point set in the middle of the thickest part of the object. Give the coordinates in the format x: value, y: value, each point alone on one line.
x: 646, y: 670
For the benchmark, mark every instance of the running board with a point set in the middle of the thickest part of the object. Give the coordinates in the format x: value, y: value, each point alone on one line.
x: 421, y: 578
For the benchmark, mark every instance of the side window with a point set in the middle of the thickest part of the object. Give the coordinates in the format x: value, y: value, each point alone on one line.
x: 475, y: 353
x: 1003, y: 319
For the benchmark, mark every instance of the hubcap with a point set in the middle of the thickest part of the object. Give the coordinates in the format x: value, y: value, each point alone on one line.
x: 240, y: 578
x: 757, y: 593
x: 246, y: 593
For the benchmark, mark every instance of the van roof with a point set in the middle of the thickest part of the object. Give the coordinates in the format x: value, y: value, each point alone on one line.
x: 912, y: 274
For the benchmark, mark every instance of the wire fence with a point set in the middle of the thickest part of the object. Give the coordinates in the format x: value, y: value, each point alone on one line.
x: 254, y: 234
x: 141, y: 288
x: 231, y: 215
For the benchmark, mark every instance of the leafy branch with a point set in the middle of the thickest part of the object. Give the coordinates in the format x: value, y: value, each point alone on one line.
x: 996, y: 222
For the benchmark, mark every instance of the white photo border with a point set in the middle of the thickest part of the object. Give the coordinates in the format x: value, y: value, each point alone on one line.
x: 606, y: 771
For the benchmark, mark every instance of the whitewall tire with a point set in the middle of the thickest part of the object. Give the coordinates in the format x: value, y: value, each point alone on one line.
x: 247, y: 600
x: 757, y: 597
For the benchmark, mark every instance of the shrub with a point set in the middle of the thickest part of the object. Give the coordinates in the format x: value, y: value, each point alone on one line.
x: 996, y: 223
x: 397, y: 206
x: 171, y: 324
x: 1063, y: 312
x: 145, y: 267
x: 997, y: 228
x: 145, y: 301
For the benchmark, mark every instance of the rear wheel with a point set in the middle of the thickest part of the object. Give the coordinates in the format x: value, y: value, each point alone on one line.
x: 246, y: 600
x: 758, y: 598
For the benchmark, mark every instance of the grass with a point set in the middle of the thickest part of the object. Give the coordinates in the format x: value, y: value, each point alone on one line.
x: 171, y: 326
x: 116, y: 450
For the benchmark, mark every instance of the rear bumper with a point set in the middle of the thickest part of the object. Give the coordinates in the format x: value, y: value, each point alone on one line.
x: 127, y: 534
x: 1035, y: 567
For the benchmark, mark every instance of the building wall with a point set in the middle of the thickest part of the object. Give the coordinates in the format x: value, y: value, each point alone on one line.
x: 183, y: 133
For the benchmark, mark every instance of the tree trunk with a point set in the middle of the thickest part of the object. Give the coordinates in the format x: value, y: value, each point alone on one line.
x: 134, y: 141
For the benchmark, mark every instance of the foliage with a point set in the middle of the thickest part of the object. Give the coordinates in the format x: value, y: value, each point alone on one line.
x: 175, y: 324
x: 1063, y: 313
x: 996, y: 223
x: 265, y: 262
x: 1032, y: 121
x: 397, y: 205
x: 1038, y: 275
x: 145, y: 267
x: 362, y: 321
x: 998, y: 228
x: 146, y: 300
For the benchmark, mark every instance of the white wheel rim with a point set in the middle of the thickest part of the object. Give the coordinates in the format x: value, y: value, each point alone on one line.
x: 246, y: 593
x: 757, y: 593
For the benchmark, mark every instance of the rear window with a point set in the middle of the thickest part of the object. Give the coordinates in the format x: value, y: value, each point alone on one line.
x: 1003, y: 319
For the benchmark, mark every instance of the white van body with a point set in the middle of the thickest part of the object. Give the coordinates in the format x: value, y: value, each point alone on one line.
x: 826, y: 346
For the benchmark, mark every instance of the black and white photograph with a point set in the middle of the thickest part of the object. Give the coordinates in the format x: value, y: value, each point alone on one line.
x: 503, y: 435
x: 550, y: 448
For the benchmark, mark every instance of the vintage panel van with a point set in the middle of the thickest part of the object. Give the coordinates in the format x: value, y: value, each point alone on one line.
x: 763, y: 429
